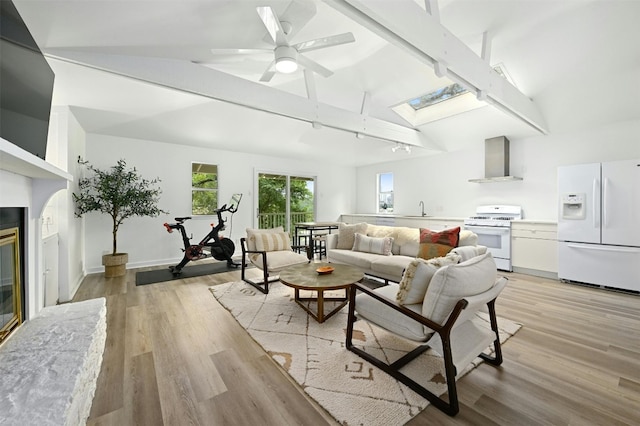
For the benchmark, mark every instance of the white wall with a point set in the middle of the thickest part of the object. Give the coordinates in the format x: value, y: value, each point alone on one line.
x: 66, y: 142
x: 146, y: 240
x: 72, y: 242
x: 441, y: 181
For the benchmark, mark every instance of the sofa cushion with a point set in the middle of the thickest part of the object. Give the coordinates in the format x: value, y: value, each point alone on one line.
x: 346, y: 234
x: 372, y: 310
x: 251, y: 235
x: 417, y: 276
x: 276, y: 241
x: 401, y: 235
x: 390, y: 266
x: 373, y: 245
x: 454, y: 282
x: 279, y: 260
x: 410, y: 248
x: 358, y: 259
x: 437, y: 244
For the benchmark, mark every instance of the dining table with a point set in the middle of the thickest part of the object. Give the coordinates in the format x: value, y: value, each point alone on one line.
x: 307, y: 230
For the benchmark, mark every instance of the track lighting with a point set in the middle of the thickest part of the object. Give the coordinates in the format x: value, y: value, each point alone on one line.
x: 398, y: 145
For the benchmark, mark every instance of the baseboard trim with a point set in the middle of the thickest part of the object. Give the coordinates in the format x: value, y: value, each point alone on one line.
x: 536, y: 273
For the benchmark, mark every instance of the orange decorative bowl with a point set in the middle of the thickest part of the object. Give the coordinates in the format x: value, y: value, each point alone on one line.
x: 323, y: 270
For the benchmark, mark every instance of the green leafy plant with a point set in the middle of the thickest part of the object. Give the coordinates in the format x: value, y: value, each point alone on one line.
x: 119, y: 192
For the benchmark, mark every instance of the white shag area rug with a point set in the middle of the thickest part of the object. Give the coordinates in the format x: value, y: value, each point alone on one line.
x: 353, y: 391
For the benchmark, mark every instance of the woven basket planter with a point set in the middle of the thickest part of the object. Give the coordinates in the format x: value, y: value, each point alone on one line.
x: 115, y: 265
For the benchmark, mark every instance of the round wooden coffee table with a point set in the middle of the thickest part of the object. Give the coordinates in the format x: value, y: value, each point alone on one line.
x: 305, y: 277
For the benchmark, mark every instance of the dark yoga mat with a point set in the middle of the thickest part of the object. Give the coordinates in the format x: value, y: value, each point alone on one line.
x: 165, y: 274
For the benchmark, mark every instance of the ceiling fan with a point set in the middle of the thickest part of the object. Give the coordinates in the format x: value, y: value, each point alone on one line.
x: 288, y: 57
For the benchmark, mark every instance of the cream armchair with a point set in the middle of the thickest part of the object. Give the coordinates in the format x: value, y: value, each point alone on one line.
x: 269, y: 250
x: 442, y: 320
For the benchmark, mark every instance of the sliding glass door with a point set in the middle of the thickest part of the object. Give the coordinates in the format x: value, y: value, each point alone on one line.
x: 284, y: 200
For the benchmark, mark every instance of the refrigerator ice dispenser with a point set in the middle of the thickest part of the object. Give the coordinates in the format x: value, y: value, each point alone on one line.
x: 573, y: 206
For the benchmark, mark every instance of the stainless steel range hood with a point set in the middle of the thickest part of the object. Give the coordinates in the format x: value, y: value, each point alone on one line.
x: 496, y: 161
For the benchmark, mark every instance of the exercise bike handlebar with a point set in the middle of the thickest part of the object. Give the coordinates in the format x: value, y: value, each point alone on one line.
x: 231, y: 209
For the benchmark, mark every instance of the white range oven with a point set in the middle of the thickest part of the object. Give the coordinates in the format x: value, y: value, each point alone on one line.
x: 492, y: 224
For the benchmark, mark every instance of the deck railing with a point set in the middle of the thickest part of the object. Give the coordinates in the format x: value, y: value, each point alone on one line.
x: 272, y: 220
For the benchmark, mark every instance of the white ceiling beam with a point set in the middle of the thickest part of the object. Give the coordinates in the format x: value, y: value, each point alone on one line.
x: 485, y: 54
x: 431, y: 6
x: 486, y: 47
x: 364, y: 109
x: 310, y: 84
x: 366, y: 103
x: 197, y: 79
x: 405, y: 24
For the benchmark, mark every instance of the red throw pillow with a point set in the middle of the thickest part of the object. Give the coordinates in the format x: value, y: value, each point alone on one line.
x: 437, y: 244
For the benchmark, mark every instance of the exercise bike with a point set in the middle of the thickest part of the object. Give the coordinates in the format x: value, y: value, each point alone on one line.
x: 220, y: 248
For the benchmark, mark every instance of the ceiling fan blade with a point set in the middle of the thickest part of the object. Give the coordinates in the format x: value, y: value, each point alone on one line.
x: 269, y: 72
x: 314, y: 66
x: 321, y: 43
x: 272, y: 23
x: 241, y: 51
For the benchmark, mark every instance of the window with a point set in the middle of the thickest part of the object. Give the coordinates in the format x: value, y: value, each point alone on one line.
x: 204, y: 189
x: 385, y: 192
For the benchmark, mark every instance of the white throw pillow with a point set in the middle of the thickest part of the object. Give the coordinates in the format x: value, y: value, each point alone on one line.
x: 417, y: 276
x: 468, y: 238
x: 346, y: 234
x: 467, y: 252
x: 373, y: 245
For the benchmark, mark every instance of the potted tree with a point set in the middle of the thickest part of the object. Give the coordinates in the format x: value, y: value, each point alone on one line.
x: 121, y: 193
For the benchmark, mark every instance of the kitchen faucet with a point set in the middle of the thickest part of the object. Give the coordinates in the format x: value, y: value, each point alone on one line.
x: 421, y: 203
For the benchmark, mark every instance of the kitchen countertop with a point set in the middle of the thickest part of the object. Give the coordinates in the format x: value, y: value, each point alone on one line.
x: 400, y: 216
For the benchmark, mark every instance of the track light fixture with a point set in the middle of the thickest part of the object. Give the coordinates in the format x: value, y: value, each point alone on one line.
x: 398, y: 145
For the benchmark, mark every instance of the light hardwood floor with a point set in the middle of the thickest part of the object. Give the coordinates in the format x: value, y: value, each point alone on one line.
x: 174, y: 356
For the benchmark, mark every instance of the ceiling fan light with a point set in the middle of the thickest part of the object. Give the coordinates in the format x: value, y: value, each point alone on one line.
x: 286, y: 65
x: 286, y: 59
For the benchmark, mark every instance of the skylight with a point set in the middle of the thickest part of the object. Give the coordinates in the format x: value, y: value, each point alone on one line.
x: 443, y: 102
x: 436, y: 96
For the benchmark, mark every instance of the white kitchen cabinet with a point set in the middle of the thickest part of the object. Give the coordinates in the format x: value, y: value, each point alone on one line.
x: 440, y: 224
x: 534, y: 248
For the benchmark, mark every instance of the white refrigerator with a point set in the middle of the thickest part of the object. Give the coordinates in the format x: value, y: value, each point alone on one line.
x: 599, y: 224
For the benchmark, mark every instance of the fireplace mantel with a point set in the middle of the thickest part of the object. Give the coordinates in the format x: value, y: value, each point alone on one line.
x: 16, y: 160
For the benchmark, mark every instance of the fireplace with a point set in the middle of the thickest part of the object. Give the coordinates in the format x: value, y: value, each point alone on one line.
x: 28, y: 182
x: 11, y: 288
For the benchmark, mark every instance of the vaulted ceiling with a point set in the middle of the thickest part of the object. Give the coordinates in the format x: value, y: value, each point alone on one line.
x: 146, y: 70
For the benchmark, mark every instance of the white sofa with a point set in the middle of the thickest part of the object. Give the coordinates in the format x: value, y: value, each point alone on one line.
x: 405, y: 248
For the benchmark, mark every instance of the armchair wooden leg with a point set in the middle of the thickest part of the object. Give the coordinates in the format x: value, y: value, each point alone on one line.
x: 496, y: 359
x: 262, y: 286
